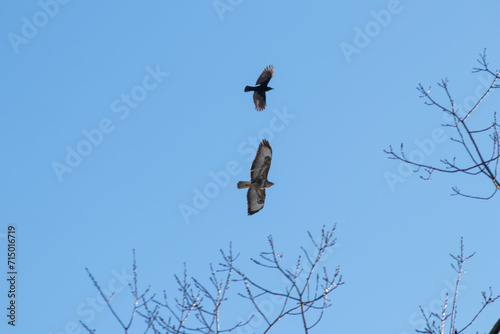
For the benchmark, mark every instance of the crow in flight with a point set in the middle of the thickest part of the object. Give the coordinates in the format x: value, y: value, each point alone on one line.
x: 259, y: 95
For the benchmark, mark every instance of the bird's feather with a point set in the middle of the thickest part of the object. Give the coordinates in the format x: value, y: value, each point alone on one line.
x: 262, y: 161
x: 255, y: 200
x: 259, y: 99
x: 266, y: 75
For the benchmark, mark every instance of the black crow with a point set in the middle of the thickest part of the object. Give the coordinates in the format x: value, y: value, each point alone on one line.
x: 259, y: 95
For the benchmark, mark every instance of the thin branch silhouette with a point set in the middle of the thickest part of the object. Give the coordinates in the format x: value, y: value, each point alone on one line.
x: 125, y: 325
x: 306, y: 293
x: 298, y: 299
x: 483, y: 160
x: 435, y: 323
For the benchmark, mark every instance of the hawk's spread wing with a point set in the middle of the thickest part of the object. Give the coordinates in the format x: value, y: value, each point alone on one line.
x: 266, y: 75
x: 262, y: 162
x: 255, y: 200
x: 259, y: 99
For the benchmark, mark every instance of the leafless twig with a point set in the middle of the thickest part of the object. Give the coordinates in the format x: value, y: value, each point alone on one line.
x: 481, y: 162
x: 430, y: 320
x: 125, y: 325
x: 199, y: 309
x: 305, y: 291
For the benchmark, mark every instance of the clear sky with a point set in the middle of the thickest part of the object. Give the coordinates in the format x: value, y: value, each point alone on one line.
x: 117, y: 115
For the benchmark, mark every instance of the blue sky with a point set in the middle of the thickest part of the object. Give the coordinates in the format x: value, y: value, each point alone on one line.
x: 152, y: 94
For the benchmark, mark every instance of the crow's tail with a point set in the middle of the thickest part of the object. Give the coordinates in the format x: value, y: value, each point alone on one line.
x: 248, y: 89
x: 243, y: 184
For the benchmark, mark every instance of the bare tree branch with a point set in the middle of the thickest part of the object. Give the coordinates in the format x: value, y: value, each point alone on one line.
x: 467, y: 137
x: 298, y: 298
x: 199, y: 310
x: 134, y: 290
x: 496, y: 328
x: 431, y: 326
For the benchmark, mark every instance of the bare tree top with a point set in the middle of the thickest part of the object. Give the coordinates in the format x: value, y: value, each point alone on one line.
x: 482, y: 159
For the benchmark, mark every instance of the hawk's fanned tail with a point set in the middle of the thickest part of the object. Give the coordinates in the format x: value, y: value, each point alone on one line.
x: 243, y: 184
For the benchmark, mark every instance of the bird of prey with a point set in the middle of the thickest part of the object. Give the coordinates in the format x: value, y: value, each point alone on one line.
x: 256, y: 194
x: 259, y: 95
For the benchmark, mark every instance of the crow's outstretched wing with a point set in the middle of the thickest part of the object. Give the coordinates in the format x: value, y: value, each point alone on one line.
x: 266, y: 75
x: 259, y: 99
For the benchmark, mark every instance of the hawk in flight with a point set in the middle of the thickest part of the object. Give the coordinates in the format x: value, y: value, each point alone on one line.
x: 256, y: 194
x: 259, y: 95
